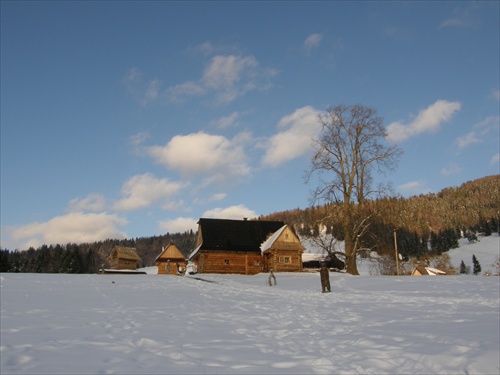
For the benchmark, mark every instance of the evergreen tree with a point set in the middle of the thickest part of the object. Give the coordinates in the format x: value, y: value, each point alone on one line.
x: 4, y: 261
x: 485, y: 227
x: 471, y: 236
x: 463, y: 268
x: 476, y: 266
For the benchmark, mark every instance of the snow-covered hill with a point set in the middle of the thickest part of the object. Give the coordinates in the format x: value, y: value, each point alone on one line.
x: 487, y: 251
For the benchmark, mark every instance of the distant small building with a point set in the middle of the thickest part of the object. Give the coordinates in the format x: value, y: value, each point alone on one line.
x: 170, y: 260
x: 426, y: 271
x: 123, y: 258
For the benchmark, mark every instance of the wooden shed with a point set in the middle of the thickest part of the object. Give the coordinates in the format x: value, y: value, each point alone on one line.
x: 282, y: 251
x: 123, y: 258
x: 234, y: 246
x: 170, y: 261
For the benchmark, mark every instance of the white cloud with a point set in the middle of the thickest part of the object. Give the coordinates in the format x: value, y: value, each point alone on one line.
x: 227, y: 121
x: 145, y: 92
x: 489, y: 124
x: 466, y: 140
x: 295, y: 140
x: 233, y: 212
x: 230, y: 76
x: 224, y: 72
x: 451, y: 170
x: 205, y: 47
x: 74, y: 227
x: 136, y: 142
x: 463, y: 16
x: 227, y: 77
x: 495, y: 94
x: 139, y: 138
x: 177, y: 93
x: 312, y: 41
x: 218, y: 197
x: 179, y: 225
x: 480, y: 131
x: 495, y: 159
x: 93, y: 202
x: 142, y: 191
x: 428, y: 120
x: 204, y: 154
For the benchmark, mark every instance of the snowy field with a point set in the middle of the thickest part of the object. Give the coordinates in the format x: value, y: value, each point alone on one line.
x: 233, y: 324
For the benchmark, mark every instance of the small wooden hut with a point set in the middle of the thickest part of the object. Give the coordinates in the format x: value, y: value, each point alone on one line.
x: 170, y: 261
x: 123, y: 258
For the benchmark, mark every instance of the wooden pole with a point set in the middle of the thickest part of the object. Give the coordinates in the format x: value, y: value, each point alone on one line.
x: 396, y: 252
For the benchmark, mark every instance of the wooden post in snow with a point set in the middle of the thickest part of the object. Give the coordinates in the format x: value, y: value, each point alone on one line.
x: 396, y: 252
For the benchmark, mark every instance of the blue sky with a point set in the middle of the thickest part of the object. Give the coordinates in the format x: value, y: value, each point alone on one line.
x: 132, y: 119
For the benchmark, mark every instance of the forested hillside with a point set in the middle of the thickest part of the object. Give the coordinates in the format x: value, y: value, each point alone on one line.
x: 472, y: 207
x: 435, y: 219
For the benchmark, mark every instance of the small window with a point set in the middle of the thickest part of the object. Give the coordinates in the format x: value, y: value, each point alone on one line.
x: 256, y: 263
x: 226, y: 262
x: 286, y: 259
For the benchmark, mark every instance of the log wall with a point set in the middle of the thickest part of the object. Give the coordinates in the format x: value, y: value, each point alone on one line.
x: 230, y: 262
x: 174, y: 266
x: 122, y: 264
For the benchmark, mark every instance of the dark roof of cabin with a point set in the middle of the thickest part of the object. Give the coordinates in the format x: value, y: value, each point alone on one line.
x: 236, y: 235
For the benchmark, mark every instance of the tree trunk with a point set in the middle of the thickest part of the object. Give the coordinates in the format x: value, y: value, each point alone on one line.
x: 350, y: 260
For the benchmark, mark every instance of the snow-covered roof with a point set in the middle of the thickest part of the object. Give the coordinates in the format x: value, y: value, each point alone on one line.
x: 434, y: 271
x: 269, y: 242
x: 194, y: 252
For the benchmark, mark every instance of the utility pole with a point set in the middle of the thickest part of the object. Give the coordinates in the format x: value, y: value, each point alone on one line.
x: 396, y: 252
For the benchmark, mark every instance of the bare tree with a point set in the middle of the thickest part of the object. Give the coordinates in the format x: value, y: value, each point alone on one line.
x: 351, y: 147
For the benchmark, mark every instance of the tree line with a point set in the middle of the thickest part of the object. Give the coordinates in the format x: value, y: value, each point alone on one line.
x: 89, y: 257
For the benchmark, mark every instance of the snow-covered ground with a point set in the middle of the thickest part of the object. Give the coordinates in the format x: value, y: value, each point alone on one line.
x: 233, y: 324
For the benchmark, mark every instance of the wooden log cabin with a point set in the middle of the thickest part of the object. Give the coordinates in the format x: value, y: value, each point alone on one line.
x: 245, y: 247
x: 170, y: 261
x: 123, y: 258
x: 282, y: 251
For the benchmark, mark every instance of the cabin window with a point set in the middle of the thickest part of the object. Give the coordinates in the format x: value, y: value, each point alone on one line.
x: 284, y: 260
x: 256, y: 263
x: 226, y: 262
